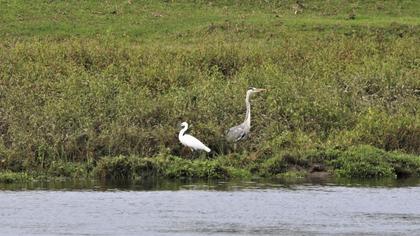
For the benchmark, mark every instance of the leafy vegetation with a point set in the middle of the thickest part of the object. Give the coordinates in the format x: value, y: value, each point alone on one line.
x: 132, y: 167
x: 96, y: 86
x: 12, y: 177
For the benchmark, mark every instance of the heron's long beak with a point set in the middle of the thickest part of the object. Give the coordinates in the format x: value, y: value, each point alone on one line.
x: 260, y: 90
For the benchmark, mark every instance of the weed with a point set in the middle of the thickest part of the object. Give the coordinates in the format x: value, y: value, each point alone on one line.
x: 107, y: 90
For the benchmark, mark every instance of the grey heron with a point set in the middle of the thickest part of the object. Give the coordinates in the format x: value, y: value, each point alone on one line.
x: 239, y: 132
x: 190, y: 141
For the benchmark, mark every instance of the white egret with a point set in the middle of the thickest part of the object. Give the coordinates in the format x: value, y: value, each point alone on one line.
x: 239, y: 132
x: 190, y: 141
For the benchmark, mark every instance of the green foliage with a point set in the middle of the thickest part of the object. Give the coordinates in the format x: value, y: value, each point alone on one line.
x: 13, y: 177
x: 130, y: 167
x: 126, y: 167
x: 356, y: 162
x: 68, y: 169
x: 275, y: 165
x: 363, y: 162
x: 292, y: 174
x: 114, y: 84
x: 237, y: 173
x: 161, y: 20
x: 405, y: 165
x: 206, y: 169
x: 284, y: 162
x: 370, y: 162
x: 387, y: 131
x: 92, y: 98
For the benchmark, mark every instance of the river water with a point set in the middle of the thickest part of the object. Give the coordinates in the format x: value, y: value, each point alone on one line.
x: 220, y: 208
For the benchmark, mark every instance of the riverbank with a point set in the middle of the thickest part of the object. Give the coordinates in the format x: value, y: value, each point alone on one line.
x: 362, y: 162
x: 102, y: 87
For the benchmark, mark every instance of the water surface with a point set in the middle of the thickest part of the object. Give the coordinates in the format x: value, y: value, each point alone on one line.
x: 218, y: 208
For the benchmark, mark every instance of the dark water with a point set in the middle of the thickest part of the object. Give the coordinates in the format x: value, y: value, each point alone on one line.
x: 221, y: 208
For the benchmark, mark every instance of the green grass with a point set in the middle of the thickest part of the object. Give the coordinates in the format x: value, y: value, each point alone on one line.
x: 86, y: 81
x: 123, y: 167
x: 163, y: 20
x: 357, y: 162
x: 8, y: 177
x: 362, y: 162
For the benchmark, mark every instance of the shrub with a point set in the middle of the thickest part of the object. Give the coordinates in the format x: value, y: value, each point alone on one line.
x: 405, y: 165
x: 363, y: 162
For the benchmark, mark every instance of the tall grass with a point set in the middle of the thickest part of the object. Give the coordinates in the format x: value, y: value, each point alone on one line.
x: 80, y: 98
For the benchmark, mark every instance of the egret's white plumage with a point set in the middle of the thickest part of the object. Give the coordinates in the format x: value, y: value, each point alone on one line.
x: 190, y: 141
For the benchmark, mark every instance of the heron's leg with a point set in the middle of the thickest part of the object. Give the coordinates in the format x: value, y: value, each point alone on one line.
x: 234, y: 147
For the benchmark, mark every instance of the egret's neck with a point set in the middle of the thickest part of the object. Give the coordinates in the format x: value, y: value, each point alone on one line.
x: 248, y: 110
x: 181, y: 133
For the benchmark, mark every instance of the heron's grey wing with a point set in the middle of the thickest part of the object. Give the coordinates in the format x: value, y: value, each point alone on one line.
x: 236, y: 133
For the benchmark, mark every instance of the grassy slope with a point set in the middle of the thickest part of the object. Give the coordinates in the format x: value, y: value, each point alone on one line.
x: 83, y: 79
x: 152, y: 20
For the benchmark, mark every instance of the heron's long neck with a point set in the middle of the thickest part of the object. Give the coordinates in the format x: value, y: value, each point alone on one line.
x: 181, y: 133
x: 248, y: 111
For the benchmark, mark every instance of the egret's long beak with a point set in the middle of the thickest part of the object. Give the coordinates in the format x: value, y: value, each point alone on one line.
x: 260, y: 90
